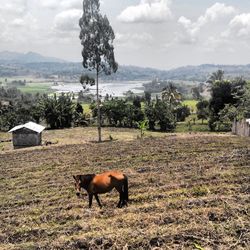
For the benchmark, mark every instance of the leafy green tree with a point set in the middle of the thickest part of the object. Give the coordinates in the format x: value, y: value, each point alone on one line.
x: 196, y: 93
x: 133, y: 115
x: 87, y: 80
x: 182, y: 112
x: 137, y: 101
x: 226, y: 117
x: 165, y: 116
x: 8, y: 117
x: 222, y: 93
x: 79, y: 118
x: 58, y: 112
x: 97, y: 38
x: 242, y: 98
x: 150, y: 113
x: 202, y: 110
x: 244, y: 104
x: 147, y: 96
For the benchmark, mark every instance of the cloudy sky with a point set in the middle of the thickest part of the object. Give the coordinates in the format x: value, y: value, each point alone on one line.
x: 151, y: 33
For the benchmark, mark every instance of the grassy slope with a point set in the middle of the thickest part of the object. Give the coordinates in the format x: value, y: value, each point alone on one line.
x: 37, y: 87
x: 185, y: 189
x: 191, y: 104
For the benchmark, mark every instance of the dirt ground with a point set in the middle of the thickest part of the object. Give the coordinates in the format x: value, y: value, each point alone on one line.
x: 186, y: 192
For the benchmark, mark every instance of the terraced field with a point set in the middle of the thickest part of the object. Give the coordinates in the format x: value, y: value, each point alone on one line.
x: 187, y: 191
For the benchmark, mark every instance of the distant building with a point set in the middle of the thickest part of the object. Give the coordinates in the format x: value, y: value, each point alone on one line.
x: 27, y: 135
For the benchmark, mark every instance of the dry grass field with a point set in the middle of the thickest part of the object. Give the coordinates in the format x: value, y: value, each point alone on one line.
x: 187, y: 191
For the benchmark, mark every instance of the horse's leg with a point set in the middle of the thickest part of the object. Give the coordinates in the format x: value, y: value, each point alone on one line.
x: 90, y: 200
x: 121, y: 196
x: 125, y: 191
x: 98, y: 201
x: 120, y: 200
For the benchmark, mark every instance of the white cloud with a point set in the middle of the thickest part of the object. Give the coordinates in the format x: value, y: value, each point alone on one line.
x: 190, y: 30
x: 240, y: 25
x: 28, y: 22
x: 71, y: 4
x: 128, y: 36
x: 14, y: 6
x: 61, y: 4
x: 147, y: 11
x: 18, y: 22
x: 67, y: 20
x: 15, y: 17
x: 50, y: 4
x: 133, y: 40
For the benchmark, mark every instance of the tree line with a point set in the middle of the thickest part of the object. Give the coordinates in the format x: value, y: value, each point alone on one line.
x: 56, y: 111
x: 230, y: 99
x: 63, y: 111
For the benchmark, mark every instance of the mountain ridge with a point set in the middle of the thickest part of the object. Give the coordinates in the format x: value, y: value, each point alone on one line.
x: 29, y: 57
x: 14, y: 64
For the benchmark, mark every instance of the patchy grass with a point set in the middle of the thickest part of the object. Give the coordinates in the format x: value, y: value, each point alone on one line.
x: 37, y: 87
x: 187, y: 191
x: 191, y: 104
x: 183, y: 127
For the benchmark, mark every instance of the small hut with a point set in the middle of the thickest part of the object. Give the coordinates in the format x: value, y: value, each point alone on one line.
x: 27, y: 135
x: 241, y: 128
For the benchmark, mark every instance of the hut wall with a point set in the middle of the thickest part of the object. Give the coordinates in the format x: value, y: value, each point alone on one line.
x: 241, y: 128
x: 26, y: 138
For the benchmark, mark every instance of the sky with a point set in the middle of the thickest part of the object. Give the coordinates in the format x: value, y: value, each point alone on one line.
x: 162, y: 34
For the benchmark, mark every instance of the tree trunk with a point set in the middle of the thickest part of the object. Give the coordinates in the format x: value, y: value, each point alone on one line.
x: 98, y: 107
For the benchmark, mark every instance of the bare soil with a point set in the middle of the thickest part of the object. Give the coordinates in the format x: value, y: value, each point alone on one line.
x: 186, y: 192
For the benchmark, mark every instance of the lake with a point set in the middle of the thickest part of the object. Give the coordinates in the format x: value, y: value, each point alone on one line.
x: 111, y: 88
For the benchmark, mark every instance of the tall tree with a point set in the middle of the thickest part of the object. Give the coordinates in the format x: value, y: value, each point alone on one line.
x: 202, y: 110
x: 171, y: 95
x: 97, y: 38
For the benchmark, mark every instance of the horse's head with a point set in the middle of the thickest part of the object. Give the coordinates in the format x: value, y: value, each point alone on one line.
x: 82, y: 182
x: 78, y: 184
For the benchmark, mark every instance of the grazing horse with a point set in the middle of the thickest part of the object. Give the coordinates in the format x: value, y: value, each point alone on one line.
x: 96, y: 184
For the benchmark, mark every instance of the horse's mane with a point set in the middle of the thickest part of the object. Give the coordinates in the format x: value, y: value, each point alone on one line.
x: 86, y: 179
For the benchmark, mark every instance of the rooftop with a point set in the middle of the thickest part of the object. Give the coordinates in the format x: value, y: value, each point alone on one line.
x: 29, y: 125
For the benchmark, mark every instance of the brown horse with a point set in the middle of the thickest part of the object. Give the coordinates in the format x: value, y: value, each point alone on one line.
x: 96, y: 184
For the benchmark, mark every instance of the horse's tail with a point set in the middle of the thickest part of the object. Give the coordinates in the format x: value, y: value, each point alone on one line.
x: 125, y: 188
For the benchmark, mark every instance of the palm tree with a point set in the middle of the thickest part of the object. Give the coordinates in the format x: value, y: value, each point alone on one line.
x: 216, y: 76
x: 171, y: 95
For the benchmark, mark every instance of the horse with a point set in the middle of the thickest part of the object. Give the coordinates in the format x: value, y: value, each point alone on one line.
x: 102, y: 183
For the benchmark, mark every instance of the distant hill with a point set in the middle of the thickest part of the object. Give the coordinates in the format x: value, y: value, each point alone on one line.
x: 18, y: 64
x: 30, y: 57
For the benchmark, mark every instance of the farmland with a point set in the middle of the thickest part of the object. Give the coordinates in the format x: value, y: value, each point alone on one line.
x: 187, y: 191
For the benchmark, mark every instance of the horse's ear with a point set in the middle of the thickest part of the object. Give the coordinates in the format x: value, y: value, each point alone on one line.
x: 74, y: 177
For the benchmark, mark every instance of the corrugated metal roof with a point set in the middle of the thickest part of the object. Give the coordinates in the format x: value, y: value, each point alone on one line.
x: 29, y: 125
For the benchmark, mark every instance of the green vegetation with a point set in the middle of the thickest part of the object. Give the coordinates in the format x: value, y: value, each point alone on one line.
x: 37, y: 87
x: 229, y: 101
x: 191, y: 104
x: 167, y: 112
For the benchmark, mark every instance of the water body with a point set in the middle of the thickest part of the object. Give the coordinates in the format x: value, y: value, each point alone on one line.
x: 112, y: 88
